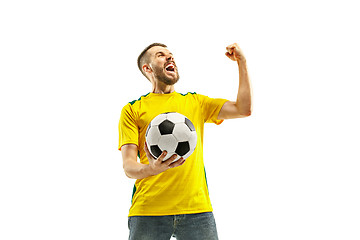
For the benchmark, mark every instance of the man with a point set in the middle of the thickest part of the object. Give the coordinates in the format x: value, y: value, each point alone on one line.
x: 171, y: 198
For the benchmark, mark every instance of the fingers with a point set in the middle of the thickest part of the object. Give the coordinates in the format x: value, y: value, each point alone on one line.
x: 146, y: 148
x: 228, y: 55
x: 231, y: 50
x: 171, y: 163
x: 162, y: 156
x: 177, y: 163
x: 171, y: 159
x: 168, y: 163
x: 151, y: 157
x: 234, y: 45
x: 231, y: 56
x: 234, y: 52
x: 231, y: 47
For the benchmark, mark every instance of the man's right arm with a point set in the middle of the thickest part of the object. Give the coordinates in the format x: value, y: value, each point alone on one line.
x: 136, y: 170
x: 132, y: 168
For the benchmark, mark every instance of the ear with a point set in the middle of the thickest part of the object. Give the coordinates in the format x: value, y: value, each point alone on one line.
x: 146, y: 68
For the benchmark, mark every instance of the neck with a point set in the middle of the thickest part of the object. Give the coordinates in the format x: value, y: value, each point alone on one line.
x: 163, y: 89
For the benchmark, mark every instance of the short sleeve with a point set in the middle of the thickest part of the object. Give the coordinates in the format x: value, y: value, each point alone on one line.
x: 211, y: 108
x: 128, y: 128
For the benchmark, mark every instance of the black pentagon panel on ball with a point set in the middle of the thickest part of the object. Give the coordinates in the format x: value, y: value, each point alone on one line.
x: 182, y: 148
x: 189, y: 124
x: 166, y: 127
x: 155, y: 150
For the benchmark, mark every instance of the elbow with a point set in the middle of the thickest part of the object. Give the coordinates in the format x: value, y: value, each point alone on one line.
x: 244, y: 109
x: 248, y: 113
x: 127, y: 172
x: 245, y: 112
x: 129, y: 175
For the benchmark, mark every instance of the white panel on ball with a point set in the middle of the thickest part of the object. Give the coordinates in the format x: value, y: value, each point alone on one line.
x: 175, y: 117
x: 181, y: 132
x: 168, y: 142
x: 193, y: 140
x: 153, y: 136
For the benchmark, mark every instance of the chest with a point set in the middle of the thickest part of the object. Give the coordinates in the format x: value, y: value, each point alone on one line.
x: 150, y: 109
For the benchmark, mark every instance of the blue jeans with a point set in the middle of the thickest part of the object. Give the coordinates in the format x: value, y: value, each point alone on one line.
x: 199, y: 226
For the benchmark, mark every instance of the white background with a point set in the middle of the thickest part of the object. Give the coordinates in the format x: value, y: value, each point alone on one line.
x: 290, y: 171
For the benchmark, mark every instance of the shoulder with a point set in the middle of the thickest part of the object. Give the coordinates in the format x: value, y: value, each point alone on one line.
x: 132, y: 106
x: 138, y: 100
x: 135, y: 103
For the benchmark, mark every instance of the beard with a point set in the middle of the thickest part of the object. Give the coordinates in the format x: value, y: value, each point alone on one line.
x: 161, y: 76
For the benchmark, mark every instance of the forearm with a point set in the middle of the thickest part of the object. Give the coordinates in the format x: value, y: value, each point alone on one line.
x: 136, y: 170
x: 243, y: 100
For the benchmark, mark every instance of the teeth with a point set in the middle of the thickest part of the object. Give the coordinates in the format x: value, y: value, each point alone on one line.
x: 170, y: 66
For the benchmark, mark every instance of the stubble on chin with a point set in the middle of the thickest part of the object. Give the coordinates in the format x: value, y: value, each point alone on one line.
x: 161, y: 77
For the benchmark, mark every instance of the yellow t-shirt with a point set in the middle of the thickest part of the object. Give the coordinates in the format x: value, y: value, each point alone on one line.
x: 180, y: 190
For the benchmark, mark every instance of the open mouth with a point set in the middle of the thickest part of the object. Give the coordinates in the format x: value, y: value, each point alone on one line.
x: 170, y: 67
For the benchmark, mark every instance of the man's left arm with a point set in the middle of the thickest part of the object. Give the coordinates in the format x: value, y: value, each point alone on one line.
x: 242, y: 107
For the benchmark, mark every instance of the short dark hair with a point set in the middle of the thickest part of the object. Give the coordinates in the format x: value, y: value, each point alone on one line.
x: 142, y: 57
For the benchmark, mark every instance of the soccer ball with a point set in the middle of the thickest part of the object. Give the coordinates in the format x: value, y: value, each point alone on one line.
x: 171, y: 132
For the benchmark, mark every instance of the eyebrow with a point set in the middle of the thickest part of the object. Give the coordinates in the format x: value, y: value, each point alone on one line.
x: 162, y: 53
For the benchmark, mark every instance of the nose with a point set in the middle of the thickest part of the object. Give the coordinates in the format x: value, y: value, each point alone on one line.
x: 170, y: 58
